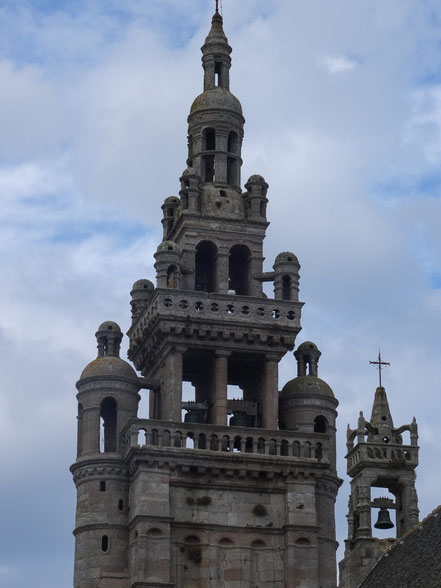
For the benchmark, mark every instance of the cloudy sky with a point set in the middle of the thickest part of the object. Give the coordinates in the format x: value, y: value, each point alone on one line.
x: 343, y: 108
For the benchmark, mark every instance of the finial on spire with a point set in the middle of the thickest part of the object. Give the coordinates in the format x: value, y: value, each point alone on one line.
x: 217, y: 6
x: 379, y: 363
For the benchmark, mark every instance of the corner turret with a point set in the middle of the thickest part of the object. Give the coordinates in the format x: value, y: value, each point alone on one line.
x: 378, y: 457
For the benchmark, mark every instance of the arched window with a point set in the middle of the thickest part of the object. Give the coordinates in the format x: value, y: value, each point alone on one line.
x: 320, y: 424
x: 209, y: 140
x: 286, y: 288
x: 208, y: 169
x: 205, y: 266
x: 108, y: 421
x: 232, y: 171
x: 239, y: 270
x: 105, y: 543
x: 208, y: 164
x: 190, y: 146
x: 218, y: 73
x: 233, y: 143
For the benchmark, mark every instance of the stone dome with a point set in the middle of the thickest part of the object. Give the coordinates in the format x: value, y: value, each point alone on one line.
x: 108, y: 366
x: 190, y: 171
x: 171, y: 201
x: 286, y: 257
x: 307, y: 386
x: 307, y: 346
x: 143, y: 284
x: 256, y: 179
x: 168, y: 246
x: 109, y: 326
x: 216, y: 99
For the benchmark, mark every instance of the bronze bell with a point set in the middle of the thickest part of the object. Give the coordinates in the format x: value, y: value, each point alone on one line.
x: 239, y: 420
x: 194, y: 416
x: 383, y: 521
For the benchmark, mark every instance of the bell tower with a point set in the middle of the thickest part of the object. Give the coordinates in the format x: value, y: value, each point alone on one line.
x: 378, y: 457
x: 226, y: 481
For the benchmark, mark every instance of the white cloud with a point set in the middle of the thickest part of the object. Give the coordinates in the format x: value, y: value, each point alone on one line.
x: 93, y: 137
x: 338, y: 64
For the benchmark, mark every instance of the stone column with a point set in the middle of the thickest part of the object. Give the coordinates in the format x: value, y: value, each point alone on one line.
x: 363, y: 508
x: 219, y: 399
x: 270, y: 392
x: 171, y: 385
x: 91, y: 430
x: 221, y: 155
x: 222, y: 269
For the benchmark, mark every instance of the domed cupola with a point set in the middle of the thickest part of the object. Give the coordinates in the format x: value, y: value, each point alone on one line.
x: 215, y: 123
x: 307, y: 403
x: 107, y: 394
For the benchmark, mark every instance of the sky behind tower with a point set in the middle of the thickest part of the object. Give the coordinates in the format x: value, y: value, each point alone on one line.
x: 343, y: 107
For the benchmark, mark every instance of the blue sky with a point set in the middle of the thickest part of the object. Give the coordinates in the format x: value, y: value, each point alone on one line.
x: 343, y: 109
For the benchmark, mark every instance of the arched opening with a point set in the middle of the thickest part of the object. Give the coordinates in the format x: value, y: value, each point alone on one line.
x: 307, y: 449
x: 205, y: 266
x: 105, y: 543
x: 232, y: 171
x: 190, y: 147
x: 172, y: 277
x: 239, y: 269
x: 303, y: 541
x: 233, y: 143
x: 209, y: 140
x: 208, y: 165
x: 318, y: 453
x: 108, y: 425
x: 286, y: 288
x: 320, y: 424
x: 208, y: 170
x: 218, y: 73
x: 80, y: 430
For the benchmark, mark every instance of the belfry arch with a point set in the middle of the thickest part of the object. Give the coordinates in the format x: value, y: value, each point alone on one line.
x: 239, y: 270
x: 205, y: 266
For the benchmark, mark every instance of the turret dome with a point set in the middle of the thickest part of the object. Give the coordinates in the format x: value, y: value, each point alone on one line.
x: 168, y: 246
x: 108, y: 366
x: 216, y: 99
x: 109, y: 326
x: 287, y: 257
x: 307, y: 386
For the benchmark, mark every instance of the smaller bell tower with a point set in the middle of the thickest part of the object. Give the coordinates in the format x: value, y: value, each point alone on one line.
x: 378, y: 457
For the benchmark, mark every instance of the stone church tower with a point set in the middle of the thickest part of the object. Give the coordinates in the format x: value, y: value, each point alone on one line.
x: 236, y: 492
x: 379, y: 459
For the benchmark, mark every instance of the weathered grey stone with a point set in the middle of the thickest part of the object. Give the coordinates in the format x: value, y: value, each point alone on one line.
x: 242, y: 492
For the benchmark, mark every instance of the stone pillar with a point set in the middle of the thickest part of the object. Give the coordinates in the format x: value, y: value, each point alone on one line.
x: 91, y: 430
x: 221, y: 155
x: 222, y: 269
x: 219, y: 399
x: 269, y: 392
x: 363, y: 507
x: 171, y: 385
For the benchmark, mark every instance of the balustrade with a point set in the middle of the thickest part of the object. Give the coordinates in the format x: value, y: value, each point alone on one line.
x: 163, y: 435
x: 372, y: 452
x: 201, y: 304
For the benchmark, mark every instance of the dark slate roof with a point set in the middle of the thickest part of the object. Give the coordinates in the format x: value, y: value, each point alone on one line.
x: 413, y: 561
